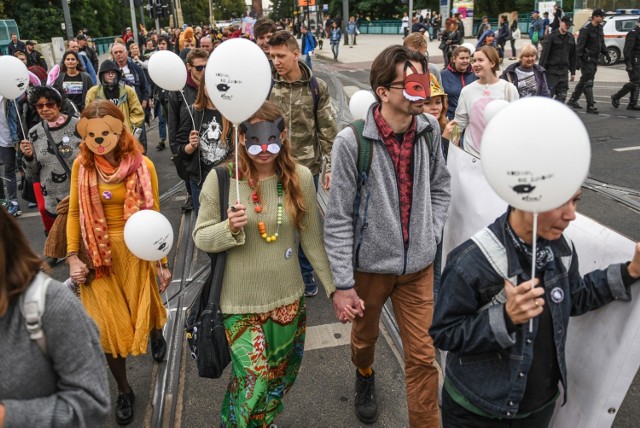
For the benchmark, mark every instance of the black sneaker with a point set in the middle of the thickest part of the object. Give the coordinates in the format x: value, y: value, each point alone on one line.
x: 574, y: 104
x: 158, y: 347
x: 124, y: 408
x: 633, y: 107
x: 161, y: 146
x: 592, y: 109
x: 188, y: 204
x: 310, y: 286
x: 365, y: 399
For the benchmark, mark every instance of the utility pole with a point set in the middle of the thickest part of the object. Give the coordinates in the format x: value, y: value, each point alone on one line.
x: 410, y: 15
x: 142, y: 15
x: 134, y: 24
x: 345, y: 19
x: 67, y: 19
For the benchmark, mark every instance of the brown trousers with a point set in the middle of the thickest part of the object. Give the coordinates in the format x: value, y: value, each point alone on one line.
x: 412, y: 299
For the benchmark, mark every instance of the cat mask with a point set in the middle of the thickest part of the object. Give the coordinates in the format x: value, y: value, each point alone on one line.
x: 263, y: 136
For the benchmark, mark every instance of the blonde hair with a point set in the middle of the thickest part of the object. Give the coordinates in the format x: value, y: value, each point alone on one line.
x: 528, y: 50
x: 415, y: 41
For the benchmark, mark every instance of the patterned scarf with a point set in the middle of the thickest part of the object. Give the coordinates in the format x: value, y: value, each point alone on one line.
x: 139, y: 195
x: 544, y: 254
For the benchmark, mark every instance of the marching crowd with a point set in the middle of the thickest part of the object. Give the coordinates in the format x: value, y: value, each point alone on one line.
x: 82, y: 157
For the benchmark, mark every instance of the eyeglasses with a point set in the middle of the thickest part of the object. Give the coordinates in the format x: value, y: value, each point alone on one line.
x: 399, y: 82
x: 199, y: 67
x: 49, y: 105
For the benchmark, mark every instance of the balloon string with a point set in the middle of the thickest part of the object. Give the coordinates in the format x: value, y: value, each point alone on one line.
x: 533, y: 259
x: 24, y: 134
x: 237, y: 174
x: 188, y: 109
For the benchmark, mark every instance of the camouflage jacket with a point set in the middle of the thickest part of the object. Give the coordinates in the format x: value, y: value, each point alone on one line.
x: 310, y: 145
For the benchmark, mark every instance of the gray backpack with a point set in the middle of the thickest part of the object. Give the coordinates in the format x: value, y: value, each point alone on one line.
x: 32, y: 306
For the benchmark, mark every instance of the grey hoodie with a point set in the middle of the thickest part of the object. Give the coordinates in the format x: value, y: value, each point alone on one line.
x: 382, y: 249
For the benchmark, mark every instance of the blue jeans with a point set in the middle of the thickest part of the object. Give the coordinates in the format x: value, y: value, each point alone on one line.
x: 8, y: 176
x: 305, y: 265
x: 195, y: 195
x: 307, y: 60
x: 162, y: 123
x: 335, y: 48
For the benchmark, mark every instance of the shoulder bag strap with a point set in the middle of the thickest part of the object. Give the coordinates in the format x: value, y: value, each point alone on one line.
x: 224, y: 182
x: 53, y: 146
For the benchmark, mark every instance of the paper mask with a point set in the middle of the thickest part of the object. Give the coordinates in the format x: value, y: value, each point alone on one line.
x: 416, y: 85
x: 263, y: 136
x: 101, y: 134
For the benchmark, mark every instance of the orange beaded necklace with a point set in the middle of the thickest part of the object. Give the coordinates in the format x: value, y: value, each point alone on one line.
x: 262, y: 229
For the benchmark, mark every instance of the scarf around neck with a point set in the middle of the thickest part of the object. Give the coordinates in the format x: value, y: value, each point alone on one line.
x: 131, y: 170
x: 544, y: 254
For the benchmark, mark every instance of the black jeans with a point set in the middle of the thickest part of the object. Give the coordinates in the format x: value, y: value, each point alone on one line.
x: 513, y: 47
x: 456, y: 416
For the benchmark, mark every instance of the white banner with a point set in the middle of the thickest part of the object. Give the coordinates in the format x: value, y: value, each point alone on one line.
x: 602, y: 350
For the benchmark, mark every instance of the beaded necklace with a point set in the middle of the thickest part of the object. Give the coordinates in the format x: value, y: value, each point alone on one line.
x: 262, y: 229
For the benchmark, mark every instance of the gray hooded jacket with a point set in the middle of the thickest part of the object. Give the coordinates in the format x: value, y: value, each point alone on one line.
x: 380, y: 248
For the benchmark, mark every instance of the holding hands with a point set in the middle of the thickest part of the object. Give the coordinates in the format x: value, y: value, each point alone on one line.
x: 347, y: 304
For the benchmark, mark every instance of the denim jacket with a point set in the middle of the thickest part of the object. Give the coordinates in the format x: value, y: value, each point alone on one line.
x: 486, y: 362
x: 12, y: 123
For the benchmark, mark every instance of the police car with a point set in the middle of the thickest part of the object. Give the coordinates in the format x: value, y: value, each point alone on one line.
x: 615, y: 29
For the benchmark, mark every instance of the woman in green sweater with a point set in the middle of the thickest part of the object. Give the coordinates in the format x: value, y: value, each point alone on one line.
x: 262, y: 293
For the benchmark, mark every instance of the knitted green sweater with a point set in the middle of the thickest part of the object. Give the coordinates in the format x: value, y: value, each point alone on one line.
x: 261, y: 276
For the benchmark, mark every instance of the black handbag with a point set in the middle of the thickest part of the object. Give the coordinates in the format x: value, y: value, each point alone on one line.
x: 27, y: 191
x: 206, y: 336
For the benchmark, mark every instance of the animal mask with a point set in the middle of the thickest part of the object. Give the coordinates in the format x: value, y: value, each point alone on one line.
x: 416, y: 85
x: 263, y: 136
x: 101, y: 134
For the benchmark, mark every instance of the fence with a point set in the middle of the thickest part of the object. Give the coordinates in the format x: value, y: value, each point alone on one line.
x: 381, y: 27
x: 101, y: 44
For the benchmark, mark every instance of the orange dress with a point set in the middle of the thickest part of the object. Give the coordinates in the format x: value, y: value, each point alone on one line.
x: 125, y: 305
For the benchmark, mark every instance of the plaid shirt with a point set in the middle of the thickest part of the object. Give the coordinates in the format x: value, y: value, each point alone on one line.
x: 401, y: 156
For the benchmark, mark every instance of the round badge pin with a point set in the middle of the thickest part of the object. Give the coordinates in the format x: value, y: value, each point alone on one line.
x: 107, y: 195
x: 557, y: 295
x: 288, y: 253
x: 65, y: 139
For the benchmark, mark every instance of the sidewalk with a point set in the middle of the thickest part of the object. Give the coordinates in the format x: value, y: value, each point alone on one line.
x: 370, y: 45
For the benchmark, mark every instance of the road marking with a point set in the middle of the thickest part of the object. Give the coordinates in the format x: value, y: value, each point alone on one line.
x: 327, y: 336
x: 27, y: 215
x: 626, y: 149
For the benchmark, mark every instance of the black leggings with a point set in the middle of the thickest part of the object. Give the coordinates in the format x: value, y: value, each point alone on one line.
x: 513, y: 48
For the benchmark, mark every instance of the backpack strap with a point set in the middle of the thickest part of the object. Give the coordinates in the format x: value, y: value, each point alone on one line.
x: 363, y: 164
x: 496, y: 255
x: 315, y: 93
x: 32, y: 306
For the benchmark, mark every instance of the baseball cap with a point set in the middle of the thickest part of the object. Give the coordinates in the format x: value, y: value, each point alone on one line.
x: 536, y: 11
x: 567, y: 20
x: 30, y: 43
x: 598, y: 12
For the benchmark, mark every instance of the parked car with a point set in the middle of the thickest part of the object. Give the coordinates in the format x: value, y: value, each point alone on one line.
x: 615, y: 29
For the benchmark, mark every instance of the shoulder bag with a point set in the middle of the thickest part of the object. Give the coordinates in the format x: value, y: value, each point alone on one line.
x: 206, y: 336
x: 54, y: 148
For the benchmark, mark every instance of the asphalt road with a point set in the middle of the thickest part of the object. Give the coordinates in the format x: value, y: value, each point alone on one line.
x: 323, y: 394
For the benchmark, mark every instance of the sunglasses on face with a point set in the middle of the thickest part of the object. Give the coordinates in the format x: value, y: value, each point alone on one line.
x: 199, y: 67
x: 49, y: 105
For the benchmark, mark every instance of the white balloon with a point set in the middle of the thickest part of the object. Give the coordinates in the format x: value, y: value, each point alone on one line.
x: 167, y: 70
x: 359, y: 104
x: 238, y: 79
x: 493, y: 108
x: 15, y: 77
x: 532, y: 171
x: 148, y: 235
x: 470, y: 46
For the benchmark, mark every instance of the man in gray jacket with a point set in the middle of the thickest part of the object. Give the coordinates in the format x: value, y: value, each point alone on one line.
x: 385, y: 247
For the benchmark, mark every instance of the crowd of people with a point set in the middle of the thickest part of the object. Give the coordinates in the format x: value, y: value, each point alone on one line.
x: 84, y: 156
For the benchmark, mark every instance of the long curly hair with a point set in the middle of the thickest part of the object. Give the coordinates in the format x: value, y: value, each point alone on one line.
x: 285, y: 168
x: 127, y: 145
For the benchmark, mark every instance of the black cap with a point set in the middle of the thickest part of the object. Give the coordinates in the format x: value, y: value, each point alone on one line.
x: 81, y: 36
x: 597, y: 12
x: 567, y: 20
x: 30, y: 43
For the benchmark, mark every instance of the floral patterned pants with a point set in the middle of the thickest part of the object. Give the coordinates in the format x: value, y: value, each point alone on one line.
x: 266, y: 353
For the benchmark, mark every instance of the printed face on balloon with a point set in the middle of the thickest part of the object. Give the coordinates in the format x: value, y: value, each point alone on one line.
x: 101, y: 134
x: 525, y: 183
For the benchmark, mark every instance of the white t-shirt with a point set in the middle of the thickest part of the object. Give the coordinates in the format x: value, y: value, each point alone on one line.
x: 405, y: 22
x: 470, y: 111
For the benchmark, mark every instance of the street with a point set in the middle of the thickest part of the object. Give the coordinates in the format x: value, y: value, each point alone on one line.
x: 172, y: 394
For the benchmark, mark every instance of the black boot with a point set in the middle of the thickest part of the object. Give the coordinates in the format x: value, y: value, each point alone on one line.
x: 158, y: 346
x: 633, y: 100
x: 365, y: 400
x: 615, y: 101
x: 591, y: 104
x: 573, y: 103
